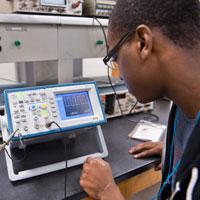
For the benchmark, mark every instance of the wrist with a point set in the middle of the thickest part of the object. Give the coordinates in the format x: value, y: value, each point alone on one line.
x: 111, y: 191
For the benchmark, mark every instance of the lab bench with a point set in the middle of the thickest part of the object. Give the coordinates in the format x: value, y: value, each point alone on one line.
x: 125, y: 168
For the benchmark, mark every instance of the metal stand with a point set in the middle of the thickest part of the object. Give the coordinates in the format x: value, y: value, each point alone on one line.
x: 52, y: 167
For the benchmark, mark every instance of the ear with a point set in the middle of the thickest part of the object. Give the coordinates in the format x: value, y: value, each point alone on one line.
x: 144, y: 41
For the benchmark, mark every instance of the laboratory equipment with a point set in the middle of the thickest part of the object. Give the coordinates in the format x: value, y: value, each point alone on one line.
x: 70, y: 106
x: 101, y: 8
x: 63, y: 7
x: 123, y: 97
x: 45, y: 113
x: 53, y: 52
x: 127, y: 104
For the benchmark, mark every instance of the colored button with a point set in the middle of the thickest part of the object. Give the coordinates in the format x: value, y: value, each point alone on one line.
x: 45, y: 114
x: 43, y: 106
x: 33, y: 107
x: 18, y: 43
x: 99, y: 42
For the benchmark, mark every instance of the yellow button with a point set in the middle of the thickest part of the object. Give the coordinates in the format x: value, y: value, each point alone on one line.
x: 44, y: 106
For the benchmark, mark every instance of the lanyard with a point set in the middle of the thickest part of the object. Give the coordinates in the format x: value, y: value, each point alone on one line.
x: 173, y: 171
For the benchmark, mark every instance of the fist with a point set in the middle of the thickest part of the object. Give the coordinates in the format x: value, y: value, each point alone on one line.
x: 96, y: 178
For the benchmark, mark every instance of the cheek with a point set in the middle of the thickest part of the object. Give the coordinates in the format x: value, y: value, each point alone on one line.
x: 128, y: 70
x: 142, y: 81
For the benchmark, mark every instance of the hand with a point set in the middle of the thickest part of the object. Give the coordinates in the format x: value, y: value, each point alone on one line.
x: 97, y: 179
x: 147, y: 149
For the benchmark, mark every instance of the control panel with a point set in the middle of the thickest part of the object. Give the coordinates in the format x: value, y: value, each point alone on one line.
x: 98, y: 7
x: 63, y: 7
x: 43, y: 110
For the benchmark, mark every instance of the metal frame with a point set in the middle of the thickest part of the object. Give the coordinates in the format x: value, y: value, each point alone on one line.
x: 52, y: 167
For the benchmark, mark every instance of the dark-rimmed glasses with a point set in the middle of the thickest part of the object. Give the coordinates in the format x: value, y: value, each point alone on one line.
x: 112, y: 54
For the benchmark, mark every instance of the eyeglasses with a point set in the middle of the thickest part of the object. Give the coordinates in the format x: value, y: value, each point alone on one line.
x: 111, y: 58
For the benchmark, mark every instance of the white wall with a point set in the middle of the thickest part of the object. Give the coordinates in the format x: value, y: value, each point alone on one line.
x: 8, y: 71
x: 94, y: 67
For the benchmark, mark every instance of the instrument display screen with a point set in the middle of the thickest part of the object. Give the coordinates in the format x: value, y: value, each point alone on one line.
x: 74, y: 105
x: 54, y: 2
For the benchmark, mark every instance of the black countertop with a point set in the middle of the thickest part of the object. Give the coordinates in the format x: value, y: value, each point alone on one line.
x: 51, y: 186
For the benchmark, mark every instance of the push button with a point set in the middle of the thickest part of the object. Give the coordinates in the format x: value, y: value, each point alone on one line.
x: 33, y: 107
x: 18, y: 43
x: 26, y: 128
x: 43, y: 106
x: 37, y: 126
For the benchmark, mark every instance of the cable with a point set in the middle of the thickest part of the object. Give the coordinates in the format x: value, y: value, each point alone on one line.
x: 156, y: 118
x: 5, y: 143
x: 2, y: 146
x: 111, y: 84
x: 14, y: 159
x: 104, y: 33
x: 65, y: 150
x: 108, y: 71
x: 133, y: 107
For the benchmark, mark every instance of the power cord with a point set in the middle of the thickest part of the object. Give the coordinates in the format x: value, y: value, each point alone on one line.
x: 156, y: 118
x: 48, y: 125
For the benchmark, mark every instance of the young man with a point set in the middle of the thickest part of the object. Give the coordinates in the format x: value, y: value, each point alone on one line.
x: 156, y: 45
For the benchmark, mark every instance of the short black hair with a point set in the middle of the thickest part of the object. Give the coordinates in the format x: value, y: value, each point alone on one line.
x: 179, y: 20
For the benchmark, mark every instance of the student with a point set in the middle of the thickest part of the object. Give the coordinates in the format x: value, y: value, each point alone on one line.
x: 156, y: 45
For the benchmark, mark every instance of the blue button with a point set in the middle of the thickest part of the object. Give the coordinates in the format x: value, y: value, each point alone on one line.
x: 33, y: 107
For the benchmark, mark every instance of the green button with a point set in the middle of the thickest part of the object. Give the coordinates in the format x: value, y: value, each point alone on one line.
x: 99, y: 42
x: 18, y: 43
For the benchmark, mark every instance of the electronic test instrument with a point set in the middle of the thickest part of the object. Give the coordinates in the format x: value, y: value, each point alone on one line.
x: 62, y: 7
x: 44, y: 112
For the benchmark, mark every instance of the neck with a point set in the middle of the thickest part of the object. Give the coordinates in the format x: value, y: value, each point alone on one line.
x: 183, y: 86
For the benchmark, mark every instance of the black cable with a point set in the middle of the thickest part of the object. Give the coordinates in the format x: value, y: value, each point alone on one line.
x: 65, y: 150
x: 12, y: 158
x: 104, y: 33
x: 156, y: 118
x: 133, y: 107
x: 65, y: 185
x: 8, y: 154
x: 111, y: 84
x: 109, y: 78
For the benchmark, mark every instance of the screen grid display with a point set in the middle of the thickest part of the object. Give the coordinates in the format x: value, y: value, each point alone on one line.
x: 74, y: 105
x: 54, y: 2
